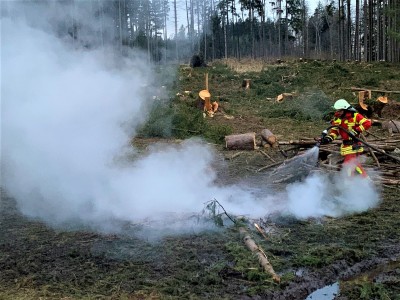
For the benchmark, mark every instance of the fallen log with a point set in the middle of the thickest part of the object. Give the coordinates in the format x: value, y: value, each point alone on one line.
x: 269, y: 137
x: 372, y: 90
x: 284, y: 96
x: 245, y: 141
x: 304, y: 142
x: 392, y: 126
x: 262, y: 257
x: 384, y: 145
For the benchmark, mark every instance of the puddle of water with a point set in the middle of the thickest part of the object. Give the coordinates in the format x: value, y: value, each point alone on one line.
x: 328, y: 292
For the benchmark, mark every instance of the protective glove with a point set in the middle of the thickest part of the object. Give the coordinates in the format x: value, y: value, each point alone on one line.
x: 355, y: 131
x: 326, y: 140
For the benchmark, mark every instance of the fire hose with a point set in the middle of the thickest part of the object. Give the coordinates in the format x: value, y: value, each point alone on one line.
x: 325, y: 132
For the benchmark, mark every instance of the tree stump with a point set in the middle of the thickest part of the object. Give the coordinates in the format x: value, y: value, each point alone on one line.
x: 362, y: 96
x: 284, y: 96
x: 391, y: 111
x: 246, y: 83
x: 245, y: 141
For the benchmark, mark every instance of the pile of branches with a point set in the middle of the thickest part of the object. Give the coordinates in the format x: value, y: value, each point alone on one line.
x: 387, y: 165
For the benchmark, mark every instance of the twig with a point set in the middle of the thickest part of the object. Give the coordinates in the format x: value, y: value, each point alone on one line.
x: 283, y: 153
x: 225, y: 211
x: 269, y: 166
x: 236, y: 155
x: 266, y: 154
x: 260, y: 231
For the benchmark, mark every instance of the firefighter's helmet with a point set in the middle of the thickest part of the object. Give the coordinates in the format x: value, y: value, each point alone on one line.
x: 341, y: 104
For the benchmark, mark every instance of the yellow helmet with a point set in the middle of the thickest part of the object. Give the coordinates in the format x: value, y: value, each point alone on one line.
x: 341, y: 104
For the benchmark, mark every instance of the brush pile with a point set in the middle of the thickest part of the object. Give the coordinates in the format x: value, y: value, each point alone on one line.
x: 387, y: 166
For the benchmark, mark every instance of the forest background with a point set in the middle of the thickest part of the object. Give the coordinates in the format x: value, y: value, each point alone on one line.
x: 361, y: 30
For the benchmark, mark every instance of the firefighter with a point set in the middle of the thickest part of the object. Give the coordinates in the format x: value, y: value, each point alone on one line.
x: 348, y: 120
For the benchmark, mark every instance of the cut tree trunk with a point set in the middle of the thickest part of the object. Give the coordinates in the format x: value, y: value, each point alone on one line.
x: 269, y: 137
x: 246, y: 83
x: 245, y: 141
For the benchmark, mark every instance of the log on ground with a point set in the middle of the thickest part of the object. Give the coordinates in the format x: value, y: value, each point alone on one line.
x: 262, y: 257
x: 269, y: 137
x: 245, y: 141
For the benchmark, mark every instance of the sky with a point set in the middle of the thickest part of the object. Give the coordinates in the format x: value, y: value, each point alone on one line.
x: 68, y: 114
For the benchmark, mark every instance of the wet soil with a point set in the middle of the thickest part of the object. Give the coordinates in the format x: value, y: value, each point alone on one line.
x: 360, y: 251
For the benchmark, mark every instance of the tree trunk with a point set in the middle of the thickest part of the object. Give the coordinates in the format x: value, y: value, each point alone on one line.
x: 370, y: 29
x: 245, y: 141
x: 366, y: 37
x: 340, y: 13
x: 349, y: 54
x: 357, y: 32
x: 176, y: 32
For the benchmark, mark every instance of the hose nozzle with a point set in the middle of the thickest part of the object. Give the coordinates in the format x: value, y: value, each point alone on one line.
x: 323, y: 134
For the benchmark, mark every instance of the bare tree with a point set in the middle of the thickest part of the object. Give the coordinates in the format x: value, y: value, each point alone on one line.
x: 357, y: 54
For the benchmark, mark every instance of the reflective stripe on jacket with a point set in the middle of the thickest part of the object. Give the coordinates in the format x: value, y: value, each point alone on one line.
x: 353, y: 122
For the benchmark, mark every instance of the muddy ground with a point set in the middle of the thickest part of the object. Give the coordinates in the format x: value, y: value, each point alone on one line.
x: 360, y: 251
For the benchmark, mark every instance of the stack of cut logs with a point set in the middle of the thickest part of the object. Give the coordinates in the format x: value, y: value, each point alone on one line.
x: 247, y: 141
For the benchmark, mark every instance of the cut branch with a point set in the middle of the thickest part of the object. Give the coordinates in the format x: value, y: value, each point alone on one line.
x: 262, y: 257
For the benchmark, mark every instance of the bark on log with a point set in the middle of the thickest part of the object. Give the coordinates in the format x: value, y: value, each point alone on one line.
x: 269, y: 137
x: 392, y: 125
x: 265, y: 144
x: 262, y: 257
x: 245, y: 141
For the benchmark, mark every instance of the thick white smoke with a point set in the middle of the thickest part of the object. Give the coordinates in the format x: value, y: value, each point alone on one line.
x: 322, y: 195
x: 68, y: 112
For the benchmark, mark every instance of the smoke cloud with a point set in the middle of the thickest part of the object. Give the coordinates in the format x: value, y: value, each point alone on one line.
x: 68, y: 113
